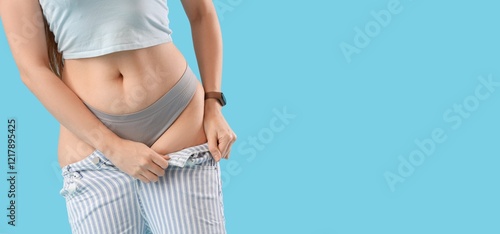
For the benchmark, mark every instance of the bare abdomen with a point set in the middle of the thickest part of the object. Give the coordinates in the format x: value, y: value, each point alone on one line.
x: 127, y: 82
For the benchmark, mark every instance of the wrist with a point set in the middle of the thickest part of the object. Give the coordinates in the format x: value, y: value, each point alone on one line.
x: 212, y: 106
x: 108, y: 143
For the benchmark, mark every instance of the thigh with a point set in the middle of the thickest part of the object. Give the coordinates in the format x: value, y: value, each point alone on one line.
x: 100, y: 198
x: 187, y: 199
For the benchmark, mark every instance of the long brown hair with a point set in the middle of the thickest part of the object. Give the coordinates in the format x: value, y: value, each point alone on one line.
x: 55, y: 57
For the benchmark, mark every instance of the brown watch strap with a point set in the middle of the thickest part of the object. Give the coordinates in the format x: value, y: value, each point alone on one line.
x: 216, y: 95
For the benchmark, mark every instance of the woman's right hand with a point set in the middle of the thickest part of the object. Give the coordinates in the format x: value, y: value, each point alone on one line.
x: 27, y: 41
x: 137, y: 159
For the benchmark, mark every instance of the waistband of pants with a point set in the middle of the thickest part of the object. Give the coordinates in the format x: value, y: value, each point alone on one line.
x: 97, y: 160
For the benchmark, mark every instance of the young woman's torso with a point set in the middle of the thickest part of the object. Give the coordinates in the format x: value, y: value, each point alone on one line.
x: 126, y: 82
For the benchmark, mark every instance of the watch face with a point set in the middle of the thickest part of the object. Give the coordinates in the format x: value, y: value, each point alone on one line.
x: 223, y: 98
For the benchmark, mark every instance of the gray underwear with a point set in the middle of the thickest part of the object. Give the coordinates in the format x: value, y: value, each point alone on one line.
x: 147, y: 125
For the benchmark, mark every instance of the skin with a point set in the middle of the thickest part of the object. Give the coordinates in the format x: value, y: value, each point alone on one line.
x: 123, y: 82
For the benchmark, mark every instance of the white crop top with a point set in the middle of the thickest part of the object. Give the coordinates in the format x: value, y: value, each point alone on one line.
x: 90, y: 28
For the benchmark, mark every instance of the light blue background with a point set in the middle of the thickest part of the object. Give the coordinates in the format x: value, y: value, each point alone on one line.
x: 324, y: 171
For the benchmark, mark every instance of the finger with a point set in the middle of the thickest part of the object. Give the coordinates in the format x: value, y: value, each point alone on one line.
x: 143, y: 179
x: 223, y: 145
x: 228, y: 153
x: 166, y: 157
x: 231, y: 141
x: 161, y: 160
x: 150, y: 176
x: 156, y: 170
x: 212, y: 147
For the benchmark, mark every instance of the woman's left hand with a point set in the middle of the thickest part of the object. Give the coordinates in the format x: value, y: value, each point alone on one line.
x: 219, y: 135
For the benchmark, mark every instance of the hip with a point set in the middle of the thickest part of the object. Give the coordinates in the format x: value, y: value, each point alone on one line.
x: 187, y: 130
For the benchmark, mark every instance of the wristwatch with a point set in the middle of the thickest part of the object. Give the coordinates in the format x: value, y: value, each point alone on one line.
x: 216, y: 95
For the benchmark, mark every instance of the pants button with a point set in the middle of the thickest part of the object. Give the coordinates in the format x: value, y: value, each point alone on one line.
x: 190, y: 162
x: 96, y: 160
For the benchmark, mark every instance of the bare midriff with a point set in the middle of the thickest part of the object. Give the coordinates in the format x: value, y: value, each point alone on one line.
x: 126, y: 82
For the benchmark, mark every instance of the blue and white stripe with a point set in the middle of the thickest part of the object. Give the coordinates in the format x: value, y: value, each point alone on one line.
x: 187, y: 199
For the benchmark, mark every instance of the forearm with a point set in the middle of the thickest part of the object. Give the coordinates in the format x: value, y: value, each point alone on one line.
x: 67, y: 108
x: 207, y: 40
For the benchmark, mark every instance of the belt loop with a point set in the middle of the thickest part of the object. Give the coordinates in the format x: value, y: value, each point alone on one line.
x: 65, y: 170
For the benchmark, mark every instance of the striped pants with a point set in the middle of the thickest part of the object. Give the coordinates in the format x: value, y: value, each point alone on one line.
x: 187, y: 199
